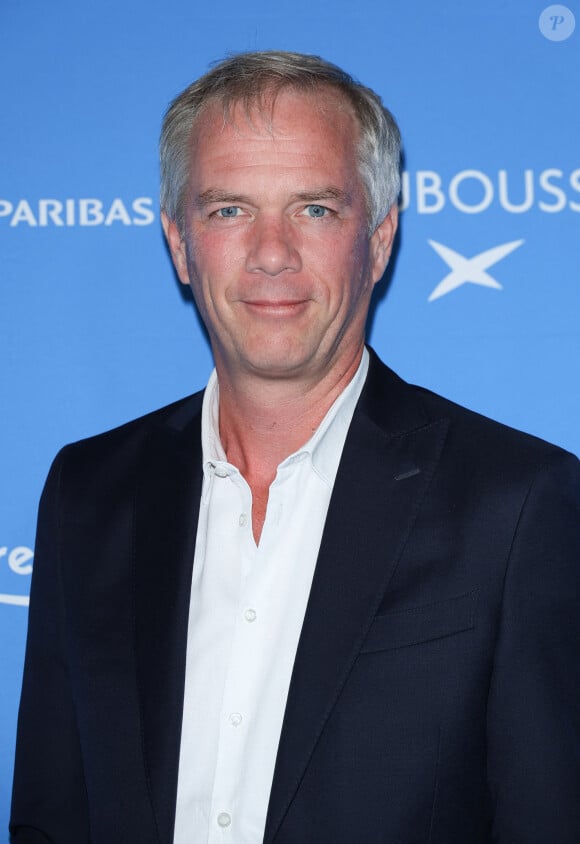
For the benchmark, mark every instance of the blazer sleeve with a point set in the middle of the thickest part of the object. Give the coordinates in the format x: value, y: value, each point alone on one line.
x: 534, y: 705
x: 49, y: 801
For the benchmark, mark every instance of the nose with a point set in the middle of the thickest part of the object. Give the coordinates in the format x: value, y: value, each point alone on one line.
x: 273, y: 247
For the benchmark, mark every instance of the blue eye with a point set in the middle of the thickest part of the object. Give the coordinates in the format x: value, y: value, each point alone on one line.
x: 316, y: 210
x: 229, y: 211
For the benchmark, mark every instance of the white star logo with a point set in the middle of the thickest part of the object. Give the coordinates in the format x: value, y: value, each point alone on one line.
x: 469, y: 270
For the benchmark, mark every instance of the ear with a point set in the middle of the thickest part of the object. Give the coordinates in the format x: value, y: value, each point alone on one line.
x: 176, y: 247
x: 381, y: 243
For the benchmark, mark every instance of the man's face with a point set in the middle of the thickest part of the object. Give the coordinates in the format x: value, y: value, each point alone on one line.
x: 276, y: 246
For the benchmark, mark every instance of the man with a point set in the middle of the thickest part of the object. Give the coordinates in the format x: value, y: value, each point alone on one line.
x: 314, y: 604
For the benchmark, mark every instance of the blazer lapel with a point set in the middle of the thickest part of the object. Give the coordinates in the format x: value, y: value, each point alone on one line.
x: 389, y: 458
x: 167, y: 508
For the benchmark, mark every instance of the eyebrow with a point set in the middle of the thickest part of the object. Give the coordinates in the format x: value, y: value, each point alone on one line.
x: 211, y: 196
x: 216, y: 196
x: 323, y: 193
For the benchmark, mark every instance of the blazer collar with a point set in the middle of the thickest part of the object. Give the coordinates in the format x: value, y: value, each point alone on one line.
x: 167, y: 509
x: 390, y: 454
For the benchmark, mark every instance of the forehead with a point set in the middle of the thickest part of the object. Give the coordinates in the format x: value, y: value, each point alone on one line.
x: 323, y: 118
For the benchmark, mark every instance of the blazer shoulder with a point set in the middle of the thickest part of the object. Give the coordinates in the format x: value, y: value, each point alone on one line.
x: 124, y: 445
x: 483, y: 454
x: 474, y: 443
x: 485, y: 432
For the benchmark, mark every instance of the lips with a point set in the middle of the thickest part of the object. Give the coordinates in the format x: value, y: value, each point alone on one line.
x: 274, y: 303
x: 276, y: 307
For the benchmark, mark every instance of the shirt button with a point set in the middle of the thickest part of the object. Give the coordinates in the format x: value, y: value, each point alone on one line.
x: 250, y: 615
x: 243, y: 520
x: 224, y: 819
x: 235, y: 719
x: 221, y: 471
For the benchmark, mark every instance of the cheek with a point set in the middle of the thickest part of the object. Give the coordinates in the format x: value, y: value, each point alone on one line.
x: 217, y: 255
x: 342, y: 264
x: 207, y: 261
x: 324, y: 251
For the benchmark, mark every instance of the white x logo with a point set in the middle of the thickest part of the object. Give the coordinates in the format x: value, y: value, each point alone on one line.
x: 473, y: 270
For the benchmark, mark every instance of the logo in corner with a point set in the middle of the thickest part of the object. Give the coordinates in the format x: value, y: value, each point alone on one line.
x: 469, y: 270
x: 557, y: 23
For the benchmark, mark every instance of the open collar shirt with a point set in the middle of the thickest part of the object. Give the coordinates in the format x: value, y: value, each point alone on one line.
x: 247, y: 609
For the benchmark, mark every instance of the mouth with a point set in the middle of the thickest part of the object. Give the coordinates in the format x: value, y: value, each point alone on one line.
x: 276, y: 307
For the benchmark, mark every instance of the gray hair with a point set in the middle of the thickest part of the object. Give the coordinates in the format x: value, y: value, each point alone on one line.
x: 254, y: 78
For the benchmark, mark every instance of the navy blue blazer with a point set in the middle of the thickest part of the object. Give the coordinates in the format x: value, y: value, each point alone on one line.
x: 435, y: 693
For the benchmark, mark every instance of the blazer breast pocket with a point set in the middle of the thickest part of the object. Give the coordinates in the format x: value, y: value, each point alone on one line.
x: 416, y: 625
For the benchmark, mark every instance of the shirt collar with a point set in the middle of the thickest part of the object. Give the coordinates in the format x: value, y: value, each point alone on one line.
x: 323, y: 448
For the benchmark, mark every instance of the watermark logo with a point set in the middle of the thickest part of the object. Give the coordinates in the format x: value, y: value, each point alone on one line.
x: 557, y: 23
x: 469, y: 270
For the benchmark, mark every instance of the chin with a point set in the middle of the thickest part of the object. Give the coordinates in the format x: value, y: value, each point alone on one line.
x: 280, y: 362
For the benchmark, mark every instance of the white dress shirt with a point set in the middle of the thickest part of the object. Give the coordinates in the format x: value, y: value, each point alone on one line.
x: 246, y: 613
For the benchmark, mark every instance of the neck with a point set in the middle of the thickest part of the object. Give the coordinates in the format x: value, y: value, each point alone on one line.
x: 263, y: 421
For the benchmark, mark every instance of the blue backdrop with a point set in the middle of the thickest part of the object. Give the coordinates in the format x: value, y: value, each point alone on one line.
x: 483, y: 302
